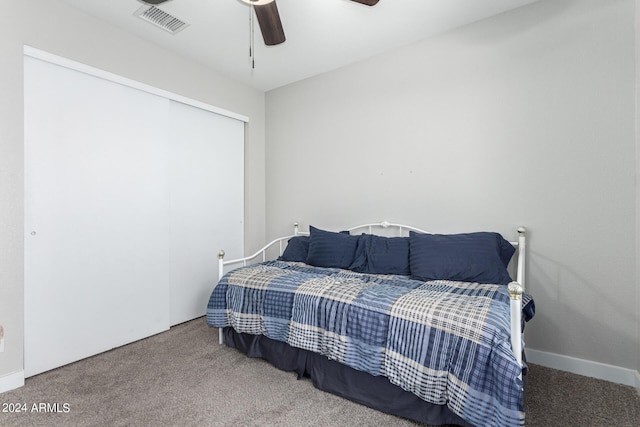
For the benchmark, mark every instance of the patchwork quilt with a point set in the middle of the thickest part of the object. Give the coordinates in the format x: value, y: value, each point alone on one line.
x: 447, y: 342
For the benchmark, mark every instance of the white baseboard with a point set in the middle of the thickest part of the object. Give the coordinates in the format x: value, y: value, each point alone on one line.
x: 587, y: 368
x: 11, y: 381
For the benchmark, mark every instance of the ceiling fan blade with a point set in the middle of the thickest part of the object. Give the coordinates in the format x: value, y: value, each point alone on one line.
x: 270, y: 23
x: 153, y: 2
x: 367, y: 2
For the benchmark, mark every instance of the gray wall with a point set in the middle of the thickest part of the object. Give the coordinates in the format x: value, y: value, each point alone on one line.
x: 526, y: 118
x: 522, y: 119
x: 52, y: 26
x: 637, y: 94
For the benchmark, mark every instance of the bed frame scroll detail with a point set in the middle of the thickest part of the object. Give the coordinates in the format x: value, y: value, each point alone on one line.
x: 263, y: 251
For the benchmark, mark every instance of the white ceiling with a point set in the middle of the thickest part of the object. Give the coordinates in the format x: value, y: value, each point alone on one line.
x: 321, y: 34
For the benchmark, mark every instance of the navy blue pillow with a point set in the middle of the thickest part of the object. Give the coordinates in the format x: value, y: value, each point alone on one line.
x: 296, y: 250
x: 471, y: 257
x: 330, y: 249
x: 382, y: 255
x: 506, y: 249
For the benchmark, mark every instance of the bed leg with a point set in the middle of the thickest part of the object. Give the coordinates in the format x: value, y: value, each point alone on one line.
x: 515, y: 293
x: 220, y: 336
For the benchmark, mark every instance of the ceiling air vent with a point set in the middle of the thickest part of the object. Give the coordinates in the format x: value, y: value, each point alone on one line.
x: 161, y: 19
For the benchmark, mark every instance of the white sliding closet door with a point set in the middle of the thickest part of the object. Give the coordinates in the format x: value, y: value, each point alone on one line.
x: 129, y: 196
x: 97, y: 241
x: 207, y: 203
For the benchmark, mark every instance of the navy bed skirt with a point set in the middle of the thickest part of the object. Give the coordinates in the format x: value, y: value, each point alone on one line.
x: 333, y: 377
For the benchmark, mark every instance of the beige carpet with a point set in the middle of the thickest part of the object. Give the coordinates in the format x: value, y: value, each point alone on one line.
x: 184, y: 378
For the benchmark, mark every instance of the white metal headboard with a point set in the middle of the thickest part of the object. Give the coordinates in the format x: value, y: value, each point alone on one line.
x: 402, y: 229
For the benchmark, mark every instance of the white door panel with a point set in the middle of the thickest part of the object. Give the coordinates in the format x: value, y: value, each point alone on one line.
x: 207, y: 198
x: 96, y: 244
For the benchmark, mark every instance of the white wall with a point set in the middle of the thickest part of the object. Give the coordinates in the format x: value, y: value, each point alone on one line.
x: 637, y: 94
x: 526, y: 118
x: 54, y: 27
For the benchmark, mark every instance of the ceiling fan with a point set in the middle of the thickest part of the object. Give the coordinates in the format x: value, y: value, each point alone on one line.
x: 268, y: 17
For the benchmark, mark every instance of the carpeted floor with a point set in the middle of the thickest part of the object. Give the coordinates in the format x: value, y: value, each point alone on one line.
x: 184, y: 378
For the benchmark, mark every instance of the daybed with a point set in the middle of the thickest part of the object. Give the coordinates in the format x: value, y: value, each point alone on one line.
x: 425, y: 326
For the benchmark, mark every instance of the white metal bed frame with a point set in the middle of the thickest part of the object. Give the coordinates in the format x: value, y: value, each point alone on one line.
x: 515, y: 288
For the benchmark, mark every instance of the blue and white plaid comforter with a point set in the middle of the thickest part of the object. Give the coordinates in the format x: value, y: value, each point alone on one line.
x: 447, y: 342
